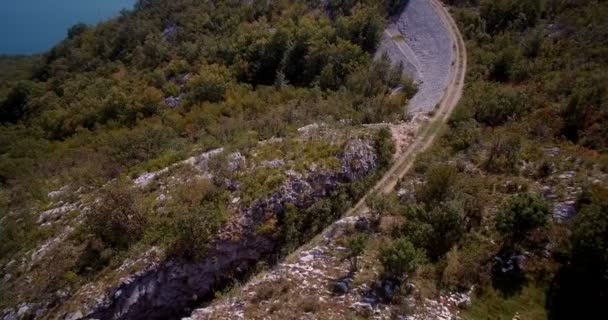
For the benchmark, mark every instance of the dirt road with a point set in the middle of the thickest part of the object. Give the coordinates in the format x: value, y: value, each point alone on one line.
x: 429, y: 132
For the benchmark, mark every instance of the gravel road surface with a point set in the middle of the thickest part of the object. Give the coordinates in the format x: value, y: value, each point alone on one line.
x: 420, y: 39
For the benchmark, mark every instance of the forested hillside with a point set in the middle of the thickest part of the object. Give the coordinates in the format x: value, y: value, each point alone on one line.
x: 141, y: 91
x: 164, y: 82
x: 511, y: 203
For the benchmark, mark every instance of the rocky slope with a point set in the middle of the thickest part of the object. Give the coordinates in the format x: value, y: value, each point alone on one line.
x: 154, y: 284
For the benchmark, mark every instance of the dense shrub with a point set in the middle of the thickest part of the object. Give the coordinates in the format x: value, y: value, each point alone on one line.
x: 118, y: 219
x: 440, y: 181
x: 521, y: 214
x: 199, y: 210
x: 364, y: 27
x: 385, y: 147
x: 17, y: 104
x: 580, y: 287
x: 465, y: 265
x: 356, y: 245
x: 209, y: 84
x: 510, y: 14
x: 436, y: 229
x: 401, y: 258
x: 503, y: 153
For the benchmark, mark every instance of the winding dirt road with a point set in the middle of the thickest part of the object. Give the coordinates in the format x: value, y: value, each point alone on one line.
x: 429, y: 132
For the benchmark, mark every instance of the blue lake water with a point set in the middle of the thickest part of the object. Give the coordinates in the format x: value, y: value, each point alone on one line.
x: 34, y: 26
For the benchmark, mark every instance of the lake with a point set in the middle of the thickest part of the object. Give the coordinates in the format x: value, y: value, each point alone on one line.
x: 34, y: 26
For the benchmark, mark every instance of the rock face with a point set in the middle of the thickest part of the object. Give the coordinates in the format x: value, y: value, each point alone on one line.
x: 170, y: 289
x: 167, y: 290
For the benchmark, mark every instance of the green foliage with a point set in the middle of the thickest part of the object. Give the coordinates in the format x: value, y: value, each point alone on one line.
x: 385, y: 147
x: 209, y: 85
x: 199, y: 210
x: 494, y: 105
x: 580, y: 286
x: 381, y: 204
x: 118, y: 218
x: 18, y: 104
x: 501, y: 15
x: 363, y: 27
x: 76, y: 30
x: 465, y: 265
x: 439, y: 185
x: 503, y: 153
x: 401, y: 258
x: 356, y: 245
x: 436, y: 229
x: 529, y: 304
x: 464, y: 135
x: 590, y: 237
x: 521, y: 214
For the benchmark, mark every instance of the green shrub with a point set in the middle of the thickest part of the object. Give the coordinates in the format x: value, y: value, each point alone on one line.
x: 385, y: 147
x: 464, y: 135
x: 521, y: 214
x: 503, y: 154
x: 209, y: 85
x: 198, y: 209
x: 500, y: 15
x: 465, y: 265
x: 356, y: 245
x: 440, y: 181
x: 580, y: 288
x: 118, y: 219
x: 436, y: 229
x: 401, y: 258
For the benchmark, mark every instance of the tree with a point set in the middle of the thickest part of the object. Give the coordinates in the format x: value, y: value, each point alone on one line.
x: 381, y: 204
x: 364, y: 27
x: 401, y: 258
x: 503, y: 154
x: 521, y: 214
x: 16, y: 106
x: 394, y: 7
x: 580, y: 288
x: 509, y: 14
x: 385, y: 147
x: 199, y: 211
x: 439, y: 184
x: 356, y: 245
x: 209, y: 85
x: 590, y: 236
x: 118, y: 218
x: 76, y: 30
x: 436, y: 229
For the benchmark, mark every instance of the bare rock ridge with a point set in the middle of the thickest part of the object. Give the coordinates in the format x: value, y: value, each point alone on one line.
x: 419, y: 39
x: 169, y: 289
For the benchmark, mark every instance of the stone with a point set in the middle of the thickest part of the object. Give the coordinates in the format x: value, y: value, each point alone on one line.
x: 173, y: 102
x: 307, y: 258
x: 276, y: 163
x: 363, y: 224
x: 564, y: 210
x: 23, y: 311
x: 74, y: 316
x: 341, y: 288
x: 553, y: 152
x: 58, y: 193
x: 236, y: 161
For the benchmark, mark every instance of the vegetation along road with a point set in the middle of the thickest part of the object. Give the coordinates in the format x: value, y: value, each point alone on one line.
x: 429, y: 132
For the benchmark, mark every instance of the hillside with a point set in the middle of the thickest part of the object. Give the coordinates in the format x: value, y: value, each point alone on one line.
x: 180, y: 128
x: 504, y: 217
x: 256, y: 160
